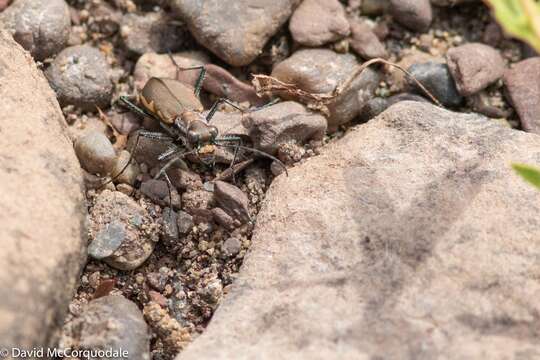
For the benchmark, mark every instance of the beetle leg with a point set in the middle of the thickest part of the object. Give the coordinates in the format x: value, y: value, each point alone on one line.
x: 214, y: 107
x: 200, y: 78
x: 124, y: 100
x: 256, y: 151
x: 238, y: 142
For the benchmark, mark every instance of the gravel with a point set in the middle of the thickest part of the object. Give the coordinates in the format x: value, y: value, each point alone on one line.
x: 95, y: 152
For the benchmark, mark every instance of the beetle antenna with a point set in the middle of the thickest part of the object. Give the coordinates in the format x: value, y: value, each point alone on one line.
x: 259, y: 152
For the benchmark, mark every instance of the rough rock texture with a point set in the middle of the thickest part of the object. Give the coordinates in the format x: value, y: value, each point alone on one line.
x: 41, y: 27
x: 42, y: 209
x: 110, y: 322
x: 474, y: 66
x: 122, y: 232
x: 321, y: 71
x: 81, y: 76
x: 523, y: 86
x: 283, y: 123
x: 237, y: 32
x: 317, y: 22
x: 410, y: 238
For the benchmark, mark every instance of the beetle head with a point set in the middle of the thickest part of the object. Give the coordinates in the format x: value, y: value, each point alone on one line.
x: 198, y: 132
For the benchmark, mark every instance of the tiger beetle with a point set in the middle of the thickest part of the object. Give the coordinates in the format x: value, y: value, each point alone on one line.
x: 178, y: 110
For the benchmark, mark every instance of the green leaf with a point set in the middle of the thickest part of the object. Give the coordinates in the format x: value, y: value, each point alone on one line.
x: 529, y: 173
x: 520, y: 18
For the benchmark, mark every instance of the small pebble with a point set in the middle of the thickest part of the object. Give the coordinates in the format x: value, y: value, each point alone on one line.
x: 437, y: 80
x: 523, y: 87
x: 184, y: 222
x: 95, y: 152
x: 159, y: 192
x: 415, y: 15
x: 170, y: 226
x: 286, y: 121
x: 232, y: 246
x: 365, y: 43
x: 81, y: 76
x: 232, y: 200
x: 474, y: 67
x: 318, y: 22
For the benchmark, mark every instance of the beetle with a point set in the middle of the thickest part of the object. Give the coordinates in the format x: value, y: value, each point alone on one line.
x: 179, y: 111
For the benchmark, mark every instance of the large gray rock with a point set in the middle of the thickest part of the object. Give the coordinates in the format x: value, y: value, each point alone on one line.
x: 42, y: 210
x: 40, y: 26
x: 410, y: 238
x: 236, y: 31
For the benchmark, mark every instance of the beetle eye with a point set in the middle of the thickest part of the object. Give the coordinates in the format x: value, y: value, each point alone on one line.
x: 193, y: 137
x: 213, y: 132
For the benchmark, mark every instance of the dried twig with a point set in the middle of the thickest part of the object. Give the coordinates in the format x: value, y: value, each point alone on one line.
x: 265, y: 85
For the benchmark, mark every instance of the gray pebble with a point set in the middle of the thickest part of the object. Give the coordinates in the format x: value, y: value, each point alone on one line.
x: 284, y: 122
x: 151, y: 32
x: 158, y: 191
x: 185, y: 222
x: 81, y: 76
x: 41, y: 27
x: 364, y: 41
x: 95, y: 152
x: 111, y: 322
x: 232, y: 246
x: 223, y: 219
x: 437, y: 79
x: 107, y: 241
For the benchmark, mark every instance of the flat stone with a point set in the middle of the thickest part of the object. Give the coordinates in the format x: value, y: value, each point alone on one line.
x: 396, y: 243
x: 318, y: 22
x: 284, y: 123
x: 321, y: 71
x: 523, y: 86
x: 474, y: 67
x: 41, y: 27
x: 42, y: 221
x: 236, y: 31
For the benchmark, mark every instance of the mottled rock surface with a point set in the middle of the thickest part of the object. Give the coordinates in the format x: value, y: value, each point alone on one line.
x: 237, y: 32
x: 397, y: 242
x: 42, y: 216
x: 81, y: 76
x: 474, y: 66
x: 110, y: 323
x: 41, y: 27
